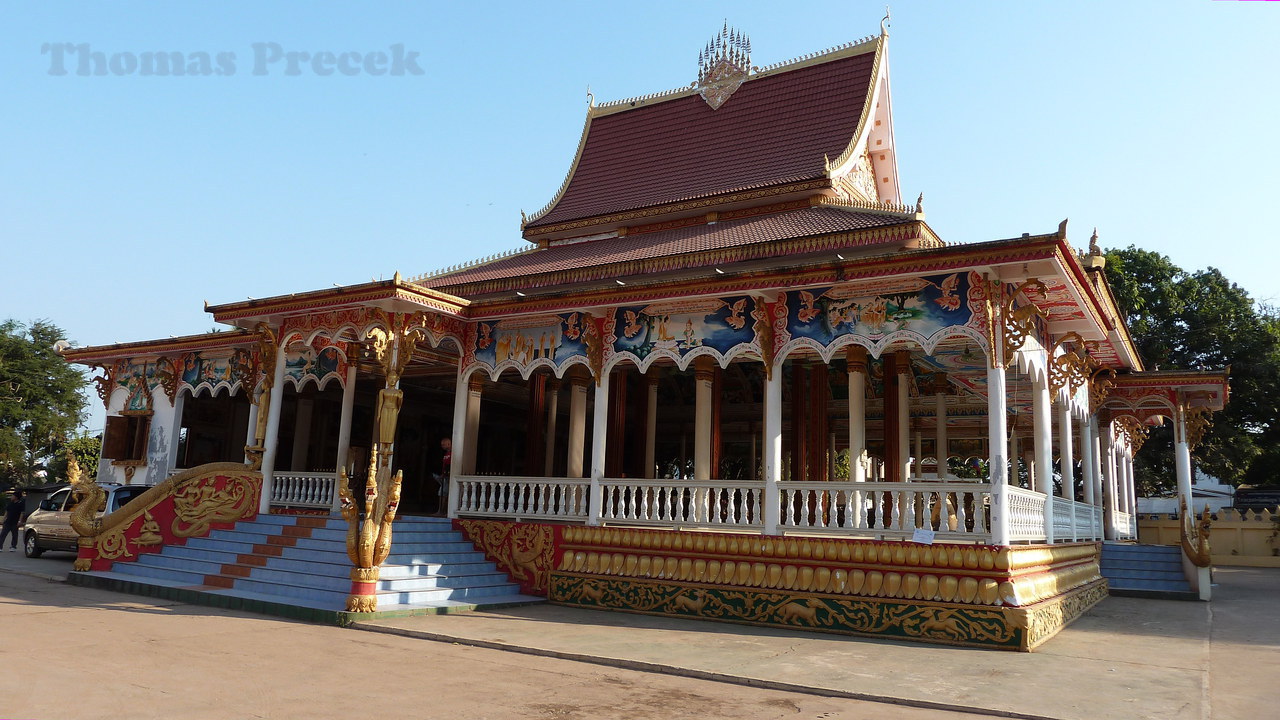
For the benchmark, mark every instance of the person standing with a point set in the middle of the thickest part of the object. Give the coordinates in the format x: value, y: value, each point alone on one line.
x: 13, y: 516
x: 442, y: 479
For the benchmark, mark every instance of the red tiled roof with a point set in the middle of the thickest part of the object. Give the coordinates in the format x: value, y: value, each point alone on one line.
x: 807, y: 222
x: 775, y: 129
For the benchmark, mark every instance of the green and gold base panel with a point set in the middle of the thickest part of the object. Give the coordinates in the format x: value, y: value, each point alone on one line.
x: 1007, y: 628
x: 987, y: 596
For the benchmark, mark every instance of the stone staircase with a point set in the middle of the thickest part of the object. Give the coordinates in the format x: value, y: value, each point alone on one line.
x: 297, y: 566
x: 1151, y: 571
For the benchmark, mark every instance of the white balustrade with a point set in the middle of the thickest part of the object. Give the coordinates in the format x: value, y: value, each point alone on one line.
x: 953, y: 510
x: 523, y: 497
x: 683, y: 503
x: 1026, y: 514
x: 1063, y: 519
x: 303, y: 489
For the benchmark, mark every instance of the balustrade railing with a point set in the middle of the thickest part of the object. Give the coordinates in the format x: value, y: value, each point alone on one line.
x: 953, y: 510
x: 1126, y: 525
x: 303, y: 489
x: 523, y: 497
x: 683, y: 503
x: 1026, y: 514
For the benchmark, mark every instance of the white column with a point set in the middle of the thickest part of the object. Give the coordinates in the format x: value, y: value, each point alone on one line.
x: 651, y: 429
x: 301, y: 434
x: 599, y: 434
x: 1130, y: 485
x: 996, y: 447
x: 904, y: 414
x: 1087, y: 451
x: 1014, y: 456
x: 1066, y: 453
x: 175, y: 432
x: 475, y: 387
x: 1182, y: 457
x: 704, y: 379
x: 344, y: 420
x: 553, y: 416
x: 459, y: 442
x: 772, y: 450
x: 577, y: 424
x: 275, y: 400
x: 1109, y: 481
x: 918, y: 451
x: 857, y: 358
x: 251, y: 435
x: 1044, y: 450
x: 344, y: 430
x: 940, y: 414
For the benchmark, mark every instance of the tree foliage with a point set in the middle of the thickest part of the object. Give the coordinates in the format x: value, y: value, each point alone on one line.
x: 1201, y: 320
x: 40, y: 398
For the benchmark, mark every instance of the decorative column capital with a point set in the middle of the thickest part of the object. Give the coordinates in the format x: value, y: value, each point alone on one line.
x: 475, y: 383
x: 578, y: 377
x: 704, y: 369
x: 856, y: 358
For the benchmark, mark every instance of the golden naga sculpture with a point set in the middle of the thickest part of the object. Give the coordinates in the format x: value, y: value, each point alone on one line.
x: 93, y: 499
x: 369, y: 541
x: 1195, y: 535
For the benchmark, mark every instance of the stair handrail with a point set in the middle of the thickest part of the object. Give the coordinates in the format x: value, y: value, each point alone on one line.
x: 190, y: 504
x: 1195, y: 535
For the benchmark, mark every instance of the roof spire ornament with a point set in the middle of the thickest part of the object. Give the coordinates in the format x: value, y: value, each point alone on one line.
x: 723, y: 65
x: 1093, y: 244
x: 884, y: 22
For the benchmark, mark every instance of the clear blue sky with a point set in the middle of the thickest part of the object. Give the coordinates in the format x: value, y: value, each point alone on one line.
x: 127, y: 200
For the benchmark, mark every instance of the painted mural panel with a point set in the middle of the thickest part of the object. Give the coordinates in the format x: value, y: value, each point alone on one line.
x: 318, y: 363
x: 681, y: 326
x: 922, y: 305
x: 139, y: 379
x: 523, y: 340
x: 199, y: 370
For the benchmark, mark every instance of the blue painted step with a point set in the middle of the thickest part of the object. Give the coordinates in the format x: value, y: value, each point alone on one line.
x: 1145, y: 571
x: 274, y: 561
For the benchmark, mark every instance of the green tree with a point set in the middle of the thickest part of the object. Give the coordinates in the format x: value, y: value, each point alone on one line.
x: 40, y: 398
x: 1201, y: 320
x: 87, y: 449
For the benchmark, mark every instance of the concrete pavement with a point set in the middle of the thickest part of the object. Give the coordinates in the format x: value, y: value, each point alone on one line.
x: 1128, y: 658
x: 74, y: 652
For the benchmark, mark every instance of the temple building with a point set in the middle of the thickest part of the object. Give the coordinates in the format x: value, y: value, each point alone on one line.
x: 730, y: 373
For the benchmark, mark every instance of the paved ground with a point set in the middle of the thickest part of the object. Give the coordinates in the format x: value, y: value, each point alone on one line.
x: 1128, y: 658
x: 72, y: 652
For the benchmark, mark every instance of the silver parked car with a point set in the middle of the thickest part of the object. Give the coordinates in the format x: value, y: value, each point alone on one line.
x: 49, y: 527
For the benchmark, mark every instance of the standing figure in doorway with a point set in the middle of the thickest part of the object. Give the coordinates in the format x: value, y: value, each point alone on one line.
x: 442, y: 478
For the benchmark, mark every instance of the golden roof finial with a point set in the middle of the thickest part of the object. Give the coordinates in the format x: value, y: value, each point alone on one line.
x: 884, y: 22
x: 920, y: 203
x: 1093, y: 244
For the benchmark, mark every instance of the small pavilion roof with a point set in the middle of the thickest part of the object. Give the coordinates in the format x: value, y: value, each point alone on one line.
x: 781, y: 126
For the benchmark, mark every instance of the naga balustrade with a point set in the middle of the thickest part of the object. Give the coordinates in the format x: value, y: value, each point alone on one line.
x: 303, y: 489
x: 523, y: 497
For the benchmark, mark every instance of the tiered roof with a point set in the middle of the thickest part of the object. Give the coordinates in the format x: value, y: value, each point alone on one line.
x: 780, y: 127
